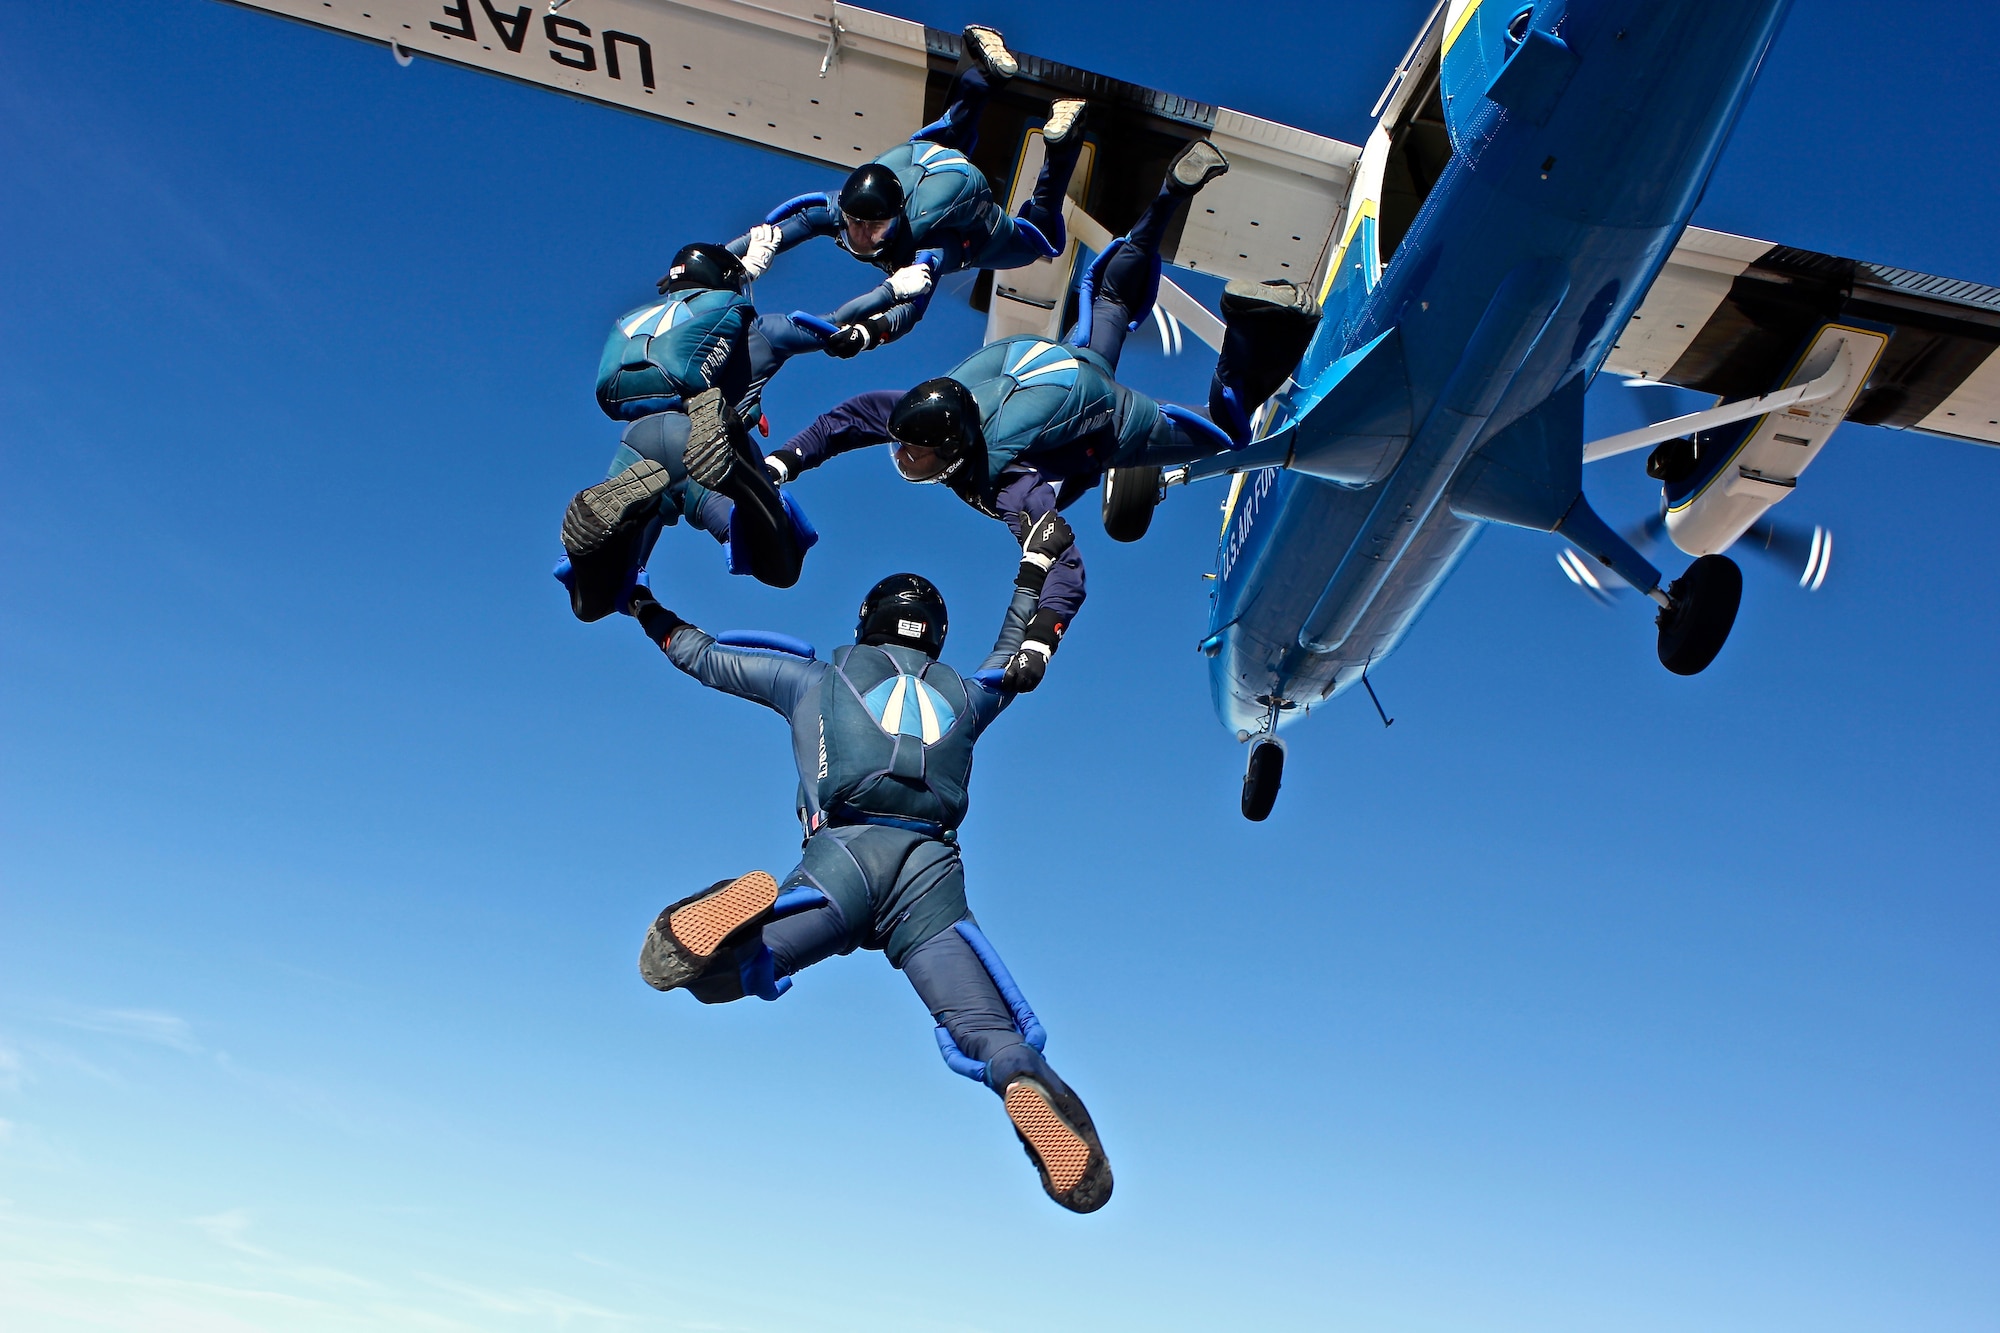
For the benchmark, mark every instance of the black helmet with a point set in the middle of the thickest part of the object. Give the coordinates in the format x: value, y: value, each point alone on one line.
x: 872, y: 194
x: 906, y: 609
x: 935, y: 429
x: 705, y: 266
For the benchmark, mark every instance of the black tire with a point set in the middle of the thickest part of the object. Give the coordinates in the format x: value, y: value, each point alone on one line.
x: 1694, y: 628
x: 1262, y: 779
x: 1130, y: 496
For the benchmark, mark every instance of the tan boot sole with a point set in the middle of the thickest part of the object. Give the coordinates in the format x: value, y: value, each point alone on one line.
x: 702, y: 925
x: 1062, y: 1152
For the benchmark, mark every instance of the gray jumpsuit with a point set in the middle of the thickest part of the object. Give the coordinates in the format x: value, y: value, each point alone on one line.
x: 883, y: 740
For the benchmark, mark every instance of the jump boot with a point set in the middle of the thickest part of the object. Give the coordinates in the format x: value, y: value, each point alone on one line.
x: 1057, y: 1134
x: 986, y: 48
x: 1268, y: 326
x: 686, y: 939
x: 602, y: 529
x: 720, y: 456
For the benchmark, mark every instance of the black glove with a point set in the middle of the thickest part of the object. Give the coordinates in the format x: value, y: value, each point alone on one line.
x: 1044, y: 543
x: 784, y: 465
x: 1027, y: 667
x: 850, y: 341
x: 658, y: 622
x: 854, y: 339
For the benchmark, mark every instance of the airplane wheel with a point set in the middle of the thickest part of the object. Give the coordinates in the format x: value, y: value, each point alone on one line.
x: 1261, y: 780
x: 1130, y: 496
x: 1694, y: 628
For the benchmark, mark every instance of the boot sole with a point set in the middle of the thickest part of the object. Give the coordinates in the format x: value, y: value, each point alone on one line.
x: 612, y: 506
x: 1207, y: 157
x: 1064, y: 118
x: 1276, y: 300
x: 995, y: 57
x: 711, y: 455
x: 701, y: 926
x: 1061, y: 1152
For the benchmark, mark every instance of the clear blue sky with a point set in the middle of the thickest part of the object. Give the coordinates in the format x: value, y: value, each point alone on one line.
x: 1585, y: 998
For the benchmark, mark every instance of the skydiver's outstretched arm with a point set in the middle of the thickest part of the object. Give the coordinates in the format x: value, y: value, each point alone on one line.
x: 796, y: 222
x: 986, y: 689
x: 1045, y: 542
x: 776, y: 680
x: 1024, y: 497
x: 855, y: 424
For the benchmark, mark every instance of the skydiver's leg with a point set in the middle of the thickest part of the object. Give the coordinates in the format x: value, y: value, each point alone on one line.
x: 767, y: 537
x: 958, y: 127
x: 810, y: 918
x: 609, y: 529
x: 1062, y: 144
x: 1120, y: 284
x: 964, y: 997
x: 1267, y: 328
x: 1037, y: 230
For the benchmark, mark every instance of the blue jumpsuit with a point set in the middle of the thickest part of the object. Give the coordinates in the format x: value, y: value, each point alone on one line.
x: 1053, y: 415
x: 950, y: 218
x: 667, y: 351
x: 883, y: 739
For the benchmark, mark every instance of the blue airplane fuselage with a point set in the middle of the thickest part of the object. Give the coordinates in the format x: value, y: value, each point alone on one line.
x: 1527, y: 258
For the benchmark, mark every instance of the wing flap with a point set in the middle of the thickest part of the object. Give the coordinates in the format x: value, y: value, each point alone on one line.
x: 1728, y: 315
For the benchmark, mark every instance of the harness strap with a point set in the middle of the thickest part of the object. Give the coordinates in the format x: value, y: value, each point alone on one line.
x: 846, y: 815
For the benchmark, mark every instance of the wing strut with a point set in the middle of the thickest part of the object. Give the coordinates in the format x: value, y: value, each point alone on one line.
x: 1812, y: 391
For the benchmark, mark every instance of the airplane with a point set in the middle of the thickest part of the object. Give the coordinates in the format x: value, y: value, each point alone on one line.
x: 1516, y: 224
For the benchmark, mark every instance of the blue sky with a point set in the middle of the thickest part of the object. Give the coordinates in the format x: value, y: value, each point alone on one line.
x: 1586, y: 997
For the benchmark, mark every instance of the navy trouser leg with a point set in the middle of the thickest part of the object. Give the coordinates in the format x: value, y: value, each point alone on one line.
x: 955, y: 986
x: 958, y: 127
x: 1043, y: 209
x: 798, y: 941
x: 1125, y: 282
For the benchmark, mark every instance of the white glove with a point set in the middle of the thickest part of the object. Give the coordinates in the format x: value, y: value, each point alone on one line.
x: 763, y: 249
x: 908, y: 282
x: 779, y: 472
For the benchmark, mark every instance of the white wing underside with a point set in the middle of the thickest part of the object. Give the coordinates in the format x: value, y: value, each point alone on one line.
x: 839, y: 85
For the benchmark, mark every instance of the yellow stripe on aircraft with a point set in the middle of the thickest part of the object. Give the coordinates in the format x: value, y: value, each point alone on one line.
x: 1367, y: 210
x: 1465, y: 17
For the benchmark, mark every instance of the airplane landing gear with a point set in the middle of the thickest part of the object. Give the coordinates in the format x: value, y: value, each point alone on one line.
x: 1131, y: 494
x: 1700, y: 613
x: 1261, y: 779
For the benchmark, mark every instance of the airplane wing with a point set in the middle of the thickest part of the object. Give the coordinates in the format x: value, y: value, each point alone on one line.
x: 837, y: 84
x: 1727, y: 315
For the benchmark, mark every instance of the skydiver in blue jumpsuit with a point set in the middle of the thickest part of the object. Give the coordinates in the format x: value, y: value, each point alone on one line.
x: 684, y: 373
x: 882, y: 736
x: 1024, y: 426
x: 922, y: 210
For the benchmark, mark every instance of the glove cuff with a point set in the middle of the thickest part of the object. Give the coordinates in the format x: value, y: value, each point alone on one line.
x: 658, y: 622
x: 1045, y: 631
x: 1030, y: 577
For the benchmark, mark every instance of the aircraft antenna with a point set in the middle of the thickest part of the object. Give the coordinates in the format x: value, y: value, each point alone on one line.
x: 1369, y: 686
